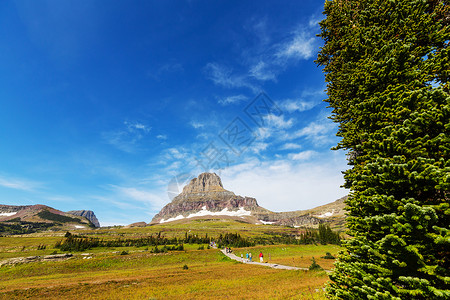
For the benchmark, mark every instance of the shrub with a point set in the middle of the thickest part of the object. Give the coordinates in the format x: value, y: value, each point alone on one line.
x: 315, y: 266
x: 328, y: 256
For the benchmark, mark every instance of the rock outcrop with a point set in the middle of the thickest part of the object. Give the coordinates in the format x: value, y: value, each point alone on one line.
x: 88, y: 214
x: 205, y: 197
x: 23, y: 260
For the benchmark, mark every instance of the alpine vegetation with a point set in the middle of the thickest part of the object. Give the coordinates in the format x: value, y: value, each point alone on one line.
x: 387, y: 68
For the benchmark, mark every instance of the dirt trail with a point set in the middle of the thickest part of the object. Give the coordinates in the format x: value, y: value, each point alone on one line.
x: 274, y: 266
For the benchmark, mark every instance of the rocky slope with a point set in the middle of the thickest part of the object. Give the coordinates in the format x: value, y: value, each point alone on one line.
x: 88, y: 214
x: 32, y: 218
x: 205, y: 197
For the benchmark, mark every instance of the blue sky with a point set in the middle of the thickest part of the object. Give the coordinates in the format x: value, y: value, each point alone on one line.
x: 103, y: 104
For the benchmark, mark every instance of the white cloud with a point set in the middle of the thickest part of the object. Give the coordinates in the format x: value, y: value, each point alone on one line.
x: 262, y: 71
x: 304, y: 155
x: 18, y: 184
x: 161, y: 137
x: 283, y: 185
x: 136, y: 126
x: 278, y: 122
x: 139, y: 195
x: 314, y: 20
x: 313, y: 129
x: 232, y: 100
x: 265, y: 61
x: 319, y: 132
x: 174, y: 153
x: 204, y: 135
x: 224, y: 76
x: 127, y: 139
x: 197, y: 125
x: 301, y: 46
x: 290, y: 146
x: 273, y: 124
x: 257, y: 147
x: 296, y: 105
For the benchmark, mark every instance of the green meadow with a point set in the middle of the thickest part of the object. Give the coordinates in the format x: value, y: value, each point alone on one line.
x: 137, y: 273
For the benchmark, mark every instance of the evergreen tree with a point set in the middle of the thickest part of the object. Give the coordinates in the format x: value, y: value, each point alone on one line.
x: 387, y: 65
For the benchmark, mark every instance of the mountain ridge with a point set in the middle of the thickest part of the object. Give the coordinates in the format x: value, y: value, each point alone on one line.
x: 205, y: 197
x: 39, y: 217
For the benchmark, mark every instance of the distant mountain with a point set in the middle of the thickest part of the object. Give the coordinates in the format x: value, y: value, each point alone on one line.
x: 205, y: 197
x: 32, y: 218
x: 88, y: 214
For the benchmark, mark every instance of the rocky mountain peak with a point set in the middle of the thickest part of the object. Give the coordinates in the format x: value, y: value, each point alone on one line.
x: 88, y: 214
x: 204, y: 183
x: 205, y: 197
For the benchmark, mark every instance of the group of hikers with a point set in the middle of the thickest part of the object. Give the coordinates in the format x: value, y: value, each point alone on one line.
x: 248, y: 257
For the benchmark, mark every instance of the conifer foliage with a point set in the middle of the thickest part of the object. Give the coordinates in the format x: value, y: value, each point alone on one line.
x: 387, y: 65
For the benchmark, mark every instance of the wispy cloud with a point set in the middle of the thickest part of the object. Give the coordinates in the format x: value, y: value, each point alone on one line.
x: 136, y: 126
x: 176, y: 153
x: 262, y: 71
x: 197, y: 124
x: 161, y: 137
x: 304, y: 155
x: 291, y: 105
x: 225, y: 77
x: 278, y: 122
x: 307, y: 100
x: 314, y: 20
x: 290, y: 146
x: 126, y: 139
x: 18, y: 184
x: 300, y: 46
x: 257, y: 147
x: 318, y: 132
x: 171, y: 68
x: 232, y: 99
x: 285, y: 184
x: 265, y: 61
x: 139, y: 195
x: 313, y: 129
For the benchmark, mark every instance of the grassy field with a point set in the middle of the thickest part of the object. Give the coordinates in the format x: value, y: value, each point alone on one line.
x: 144, y: 275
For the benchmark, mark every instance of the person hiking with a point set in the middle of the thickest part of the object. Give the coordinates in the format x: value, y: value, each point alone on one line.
x: 246, y: 256
x: 261, y: 257
x: 242, y: 257
x: 250, y: 256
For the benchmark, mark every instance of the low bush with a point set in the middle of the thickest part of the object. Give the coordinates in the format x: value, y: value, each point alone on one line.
x: 315, y: 266
x: 328, y: 256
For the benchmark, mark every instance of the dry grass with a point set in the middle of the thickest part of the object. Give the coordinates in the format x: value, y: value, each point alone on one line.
x: 142, y: 275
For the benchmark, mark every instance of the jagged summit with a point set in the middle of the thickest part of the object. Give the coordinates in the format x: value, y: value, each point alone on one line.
x: 205, y: 182
x: 207, y: 186
x: 205, y: 197
x: 88, y: 214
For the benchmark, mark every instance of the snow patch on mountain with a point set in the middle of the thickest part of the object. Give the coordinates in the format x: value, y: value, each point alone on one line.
x: 266, y: 223
x: 8, y: 214
x: 326, y: 215
x: 241, y: 212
